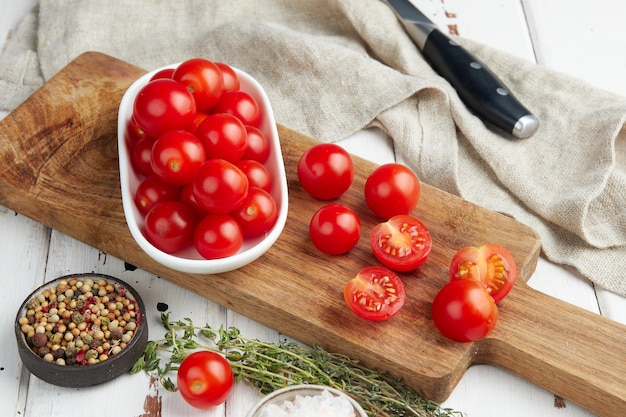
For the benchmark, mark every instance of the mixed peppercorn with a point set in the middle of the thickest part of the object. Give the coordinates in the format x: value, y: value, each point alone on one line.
x: 80, y: 321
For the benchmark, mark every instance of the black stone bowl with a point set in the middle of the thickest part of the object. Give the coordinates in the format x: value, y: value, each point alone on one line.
x: 80, y: 376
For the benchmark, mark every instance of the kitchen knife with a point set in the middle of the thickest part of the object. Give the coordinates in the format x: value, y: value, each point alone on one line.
x: 479, y: 88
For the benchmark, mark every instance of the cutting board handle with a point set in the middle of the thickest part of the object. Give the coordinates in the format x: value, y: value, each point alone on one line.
x: 567, y: 350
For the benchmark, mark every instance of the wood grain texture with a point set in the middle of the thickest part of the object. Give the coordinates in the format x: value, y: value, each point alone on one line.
x: 61, y: 169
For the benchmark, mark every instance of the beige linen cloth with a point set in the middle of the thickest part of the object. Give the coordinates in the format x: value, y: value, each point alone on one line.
x: 332, y: 67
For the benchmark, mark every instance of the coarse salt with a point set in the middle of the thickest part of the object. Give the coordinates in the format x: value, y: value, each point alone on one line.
x: 321, y: 405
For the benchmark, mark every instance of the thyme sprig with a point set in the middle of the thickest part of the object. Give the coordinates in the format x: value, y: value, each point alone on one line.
x: 271, y: 366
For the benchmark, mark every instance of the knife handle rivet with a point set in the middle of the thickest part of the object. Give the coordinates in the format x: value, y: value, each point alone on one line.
x: 502, y: 91
x: 475, y: 65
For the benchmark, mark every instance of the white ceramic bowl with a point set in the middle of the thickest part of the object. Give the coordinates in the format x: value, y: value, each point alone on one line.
x: 190, y: 260
x: 289, y: 394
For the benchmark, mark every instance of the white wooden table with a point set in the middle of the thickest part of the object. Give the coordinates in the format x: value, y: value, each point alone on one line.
x: 584, y: 38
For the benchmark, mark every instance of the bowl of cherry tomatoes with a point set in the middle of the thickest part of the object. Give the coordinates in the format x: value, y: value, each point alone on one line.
x: 202, y: 176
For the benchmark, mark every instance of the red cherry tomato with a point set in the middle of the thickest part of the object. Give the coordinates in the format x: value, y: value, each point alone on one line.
x: 231, y: 80
x: 392, y: 189
x: 141, y: 156
x: 223, y: 136
x: 490, y: 264
x: 335, y: 229
x: 257, y: 173
x: 217, y: 236
x: 169, y: 226
x: 186, y: 196
x: 134, y: 133
x: 203, y: 79
x: 325, y: 171
x: 200, y: 116
x: 164, y: 73
x: 176, y: 156
x: 241, y: 105
x: 163, y: 105
x: 205, y: 379
x: 464, y: 311
x: 151, y: 190
x: 402, y: 243
x: 219, y: 186
x: 257, y: 213
x: 375, y: 294
x: 258, y: 147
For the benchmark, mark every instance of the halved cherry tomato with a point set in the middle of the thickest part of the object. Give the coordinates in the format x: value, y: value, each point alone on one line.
x: 335, y: 229
x: 392, y: 189
x: 325, y: 171
x: 402, y: 243
x: 490, y: 264
x: 203, y: 79
x: 375, y: 294
x: 205, y: 379
x: 463, y: 311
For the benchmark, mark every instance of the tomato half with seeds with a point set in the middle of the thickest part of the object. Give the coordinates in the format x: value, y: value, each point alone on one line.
x: 402, y: 243
x: 205, y: 379
x: 491, y: 264
x: 463, y: 311
x: 375, y: 293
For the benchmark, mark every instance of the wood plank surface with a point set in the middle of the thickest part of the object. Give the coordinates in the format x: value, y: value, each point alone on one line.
x: 54, y: 151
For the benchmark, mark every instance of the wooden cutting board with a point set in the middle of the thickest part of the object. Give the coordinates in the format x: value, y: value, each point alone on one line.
x: 59, y: 156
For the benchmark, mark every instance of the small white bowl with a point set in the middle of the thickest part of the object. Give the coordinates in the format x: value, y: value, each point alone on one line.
x: 190, y: 260
x: 289, y: 394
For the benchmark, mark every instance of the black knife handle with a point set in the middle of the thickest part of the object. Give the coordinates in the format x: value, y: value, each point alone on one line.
x: 479, y: 88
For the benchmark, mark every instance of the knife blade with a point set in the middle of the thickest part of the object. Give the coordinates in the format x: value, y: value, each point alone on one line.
x: 478, y: 87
